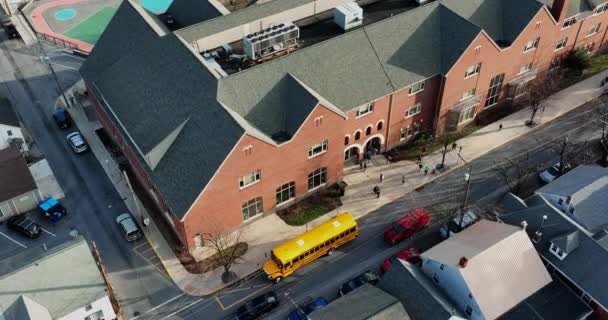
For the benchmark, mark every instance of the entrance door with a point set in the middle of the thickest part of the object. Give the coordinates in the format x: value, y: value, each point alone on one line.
x: 373, y: 145
x: 351, y: 154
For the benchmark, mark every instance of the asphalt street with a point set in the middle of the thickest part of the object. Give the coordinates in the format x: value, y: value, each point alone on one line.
x: 144, y: 290
x: 91, y: 199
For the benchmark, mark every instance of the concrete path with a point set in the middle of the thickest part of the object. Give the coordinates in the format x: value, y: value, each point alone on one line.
x: 268, y: 231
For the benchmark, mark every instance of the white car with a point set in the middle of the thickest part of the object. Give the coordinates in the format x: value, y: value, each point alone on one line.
x: 551, y: 173
x: 77, y: 142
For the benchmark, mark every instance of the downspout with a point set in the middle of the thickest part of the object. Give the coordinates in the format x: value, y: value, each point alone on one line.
x: 388, y: 121
x: 603, y: 38
x: 578, y: 32
x: 438, y: 104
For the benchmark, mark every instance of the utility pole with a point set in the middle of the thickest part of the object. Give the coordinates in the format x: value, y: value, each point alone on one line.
x: 46, y: 59
x: 467, y: 178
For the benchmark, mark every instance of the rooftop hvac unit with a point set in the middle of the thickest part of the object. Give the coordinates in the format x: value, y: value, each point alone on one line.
x: 348, y: 15
x: 271, y: 40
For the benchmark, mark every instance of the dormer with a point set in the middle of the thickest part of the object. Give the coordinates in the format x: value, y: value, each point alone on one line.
x: 563, y: 245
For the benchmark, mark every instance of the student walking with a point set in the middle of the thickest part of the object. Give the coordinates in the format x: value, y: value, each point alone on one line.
x: 426, y: 170
x: 377, y: 191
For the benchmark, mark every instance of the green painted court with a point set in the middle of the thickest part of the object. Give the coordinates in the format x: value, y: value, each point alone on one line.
x: 90, y: 29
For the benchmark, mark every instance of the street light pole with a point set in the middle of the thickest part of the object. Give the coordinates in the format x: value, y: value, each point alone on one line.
x: 467, y: 178
x: 48, y: 62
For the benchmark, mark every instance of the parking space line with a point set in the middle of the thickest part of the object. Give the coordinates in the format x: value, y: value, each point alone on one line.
x: 43, y: 229
x: 140, y: 245
x: 156, y: 265
x: 13, y: 240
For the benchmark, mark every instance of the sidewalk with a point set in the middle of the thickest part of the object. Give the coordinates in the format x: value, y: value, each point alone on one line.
x: 266, y: 232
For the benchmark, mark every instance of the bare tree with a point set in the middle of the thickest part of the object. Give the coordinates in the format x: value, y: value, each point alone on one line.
x: 446, y: 141
x: 226, y: 249
x: 514, y: 172
x: 567, y: 151
x: 539, y: 91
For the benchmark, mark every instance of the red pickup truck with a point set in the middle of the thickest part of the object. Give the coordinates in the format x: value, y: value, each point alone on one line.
x: 406, y: 226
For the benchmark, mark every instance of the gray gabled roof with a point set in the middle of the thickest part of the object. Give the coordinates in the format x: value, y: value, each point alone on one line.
x: 189, y: 12
x: 584, y: 265
x: 238, y: 18
x: 153, y: 87
x: 43, y: 277
x: 7, y: 113
x: 503, y: 20
x: 578, y: 6
x: 567, y: 242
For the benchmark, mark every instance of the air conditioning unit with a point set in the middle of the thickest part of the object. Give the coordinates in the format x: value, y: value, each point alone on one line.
x: 271, y: 40
x: 348, y: 15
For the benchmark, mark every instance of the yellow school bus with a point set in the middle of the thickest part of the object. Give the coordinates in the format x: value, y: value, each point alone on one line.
x: 299, y: 251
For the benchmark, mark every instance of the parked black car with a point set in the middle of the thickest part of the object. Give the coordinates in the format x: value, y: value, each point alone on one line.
x: 258, y: 306
x: 62, y: 118
x: 10, y: 29
x: 25, y: 226
x: 366, y: 277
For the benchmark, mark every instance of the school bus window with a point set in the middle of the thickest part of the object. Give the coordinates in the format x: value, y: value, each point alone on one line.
x: 352, y: 229
x: 288, y: 264
x: 326, y: 243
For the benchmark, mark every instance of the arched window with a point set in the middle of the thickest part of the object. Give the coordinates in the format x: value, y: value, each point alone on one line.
x: 368, y: 131
x: 346, y: 140
x: 357, y: 135
x: 380, y: 125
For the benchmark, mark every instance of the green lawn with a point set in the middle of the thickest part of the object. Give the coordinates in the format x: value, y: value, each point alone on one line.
x: 91, y: 28
x: 598, y: 64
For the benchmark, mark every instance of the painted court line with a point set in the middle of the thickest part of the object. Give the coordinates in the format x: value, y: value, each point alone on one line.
x: 13, y: 240
x: 43, y: 229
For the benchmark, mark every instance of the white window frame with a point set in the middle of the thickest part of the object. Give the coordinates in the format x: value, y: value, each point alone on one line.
x: 568, y: 23
x: 317, y: 149
x: 467, y: 94
x: 364, y: 110
x: 525, y: 68
x: 416, y: 88
x: 252, y: 203
x: 561, y: 44
x: 321, y: 172
x: 471, y: 112
x: 413, y: 110
x: 494, y: 91
x: 595, y: 29
x: 472, y: 70
x: 477, y: 49
x: 256, y: 176
x: 531, y: 45
x: 290, y: 188
x: 600, y: 9
x: 557, y: 252
x: 589, y: 47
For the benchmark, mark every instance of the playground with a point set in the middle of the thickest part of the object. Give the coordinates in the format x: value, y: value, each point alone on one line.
x: 78, y: 24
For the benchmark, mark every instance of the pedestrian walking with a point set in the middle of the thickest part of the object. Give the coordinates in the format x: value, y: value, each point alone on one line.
x: 420, y: 166
x: 381, y: 177
x: 402, y: 179
x: 500, y: 127
x: 426, y: 170
x: 460, y: 149
x: 454, y: 146
x: 377, y: 191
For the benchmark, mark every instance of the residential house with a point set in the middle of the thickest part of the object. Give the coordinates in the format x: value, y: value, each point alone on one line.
x: 18, y: 190
x: 216, y: 143
x: 34, y: 285
x: 11, y: 131
x: 364, y: 303
x: 487, y: 269
x: 567, y: 247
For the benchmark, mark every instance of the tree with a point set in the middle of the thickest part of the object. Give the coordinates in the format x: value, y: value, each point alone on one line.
x: 446, y: 141
x: 539, y: 91
x: 515, y: 172
x: 226, y: 249
x: 577, y: 60
x: 567, y: 151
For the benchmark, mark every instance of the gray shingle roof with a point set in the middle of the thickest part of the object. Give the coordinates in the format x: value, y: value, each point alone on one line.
x: 42, y: 277
x: 365, y: 302
x: 567, y: 242
x: 503, y: 20
x: 238, y: 18
x: 189, y: 12
x: 153, y: 88
x: 419, y: 296
x: 584, y: 265
x: 16, y: 176
x: 7, y: 113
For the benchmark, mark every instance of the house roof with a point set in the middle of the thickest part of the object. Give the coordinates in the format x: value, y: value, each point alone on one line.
x: 503, y: 20
x: 189, y: 12
x: 517, y: 271
x: 567, y: 242
x: 587, y: 186
x: 41, y: 276
x: 7, y: 113
x: 554, y: 301
x: 581, y: 265
x: 420, y: 297
x: 16, y: 176
x: 26, y: 309
x: 365, y: 302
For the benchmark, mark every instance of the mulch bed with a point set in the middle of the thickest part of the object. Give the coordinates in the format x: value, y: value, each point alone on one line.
x: 314, y: 206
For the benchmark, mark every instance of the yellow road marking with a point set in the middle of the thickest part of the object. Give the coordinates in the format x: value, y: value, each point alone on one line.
x: 223, y: 293
x: 140, y: 245
x: 220, y: 303
x: 149, y: 249
x: 161, y: 260
x: 158, y: 267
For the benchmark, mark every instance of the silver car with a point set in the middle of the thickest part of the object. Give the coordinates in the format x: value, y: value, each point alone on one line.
x: 128, y: 226
x: 77, y: 142
x: 552, y: 173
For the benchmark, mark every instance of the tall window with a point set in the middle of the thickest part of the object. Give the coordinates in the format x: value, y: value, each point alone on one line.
x: 250, y: 178
x: 417, y: 87
x: 594, y: 29
x: 317, y: 178
x: 379, y: 125
x: 252, y: 208
x: 368, y: 131
x: 569, y: 22
x: 317, y: 149
x: 413, y: 110
x: 561, y: 43
x: 532, y: 44
x: 286, y: 192
x: 368, y: 108
x: 494, y: 90
x: 357, y: 135
x: 346, y: 140
x: 472, y: 70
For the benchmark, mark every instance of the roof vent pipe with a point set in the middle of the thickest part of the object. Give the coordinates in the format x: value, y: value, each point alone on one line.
x: 524, y: 224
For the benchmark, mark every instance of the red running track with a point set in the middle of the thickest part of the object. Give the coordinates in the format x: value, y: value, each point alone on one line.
x: 43, y: 27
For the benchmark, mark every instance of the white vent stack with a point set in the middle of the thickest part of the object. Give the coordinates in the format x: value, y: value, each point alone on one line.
x: 271, y: 40
x: 422, y: 1
x: 348, y: 15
